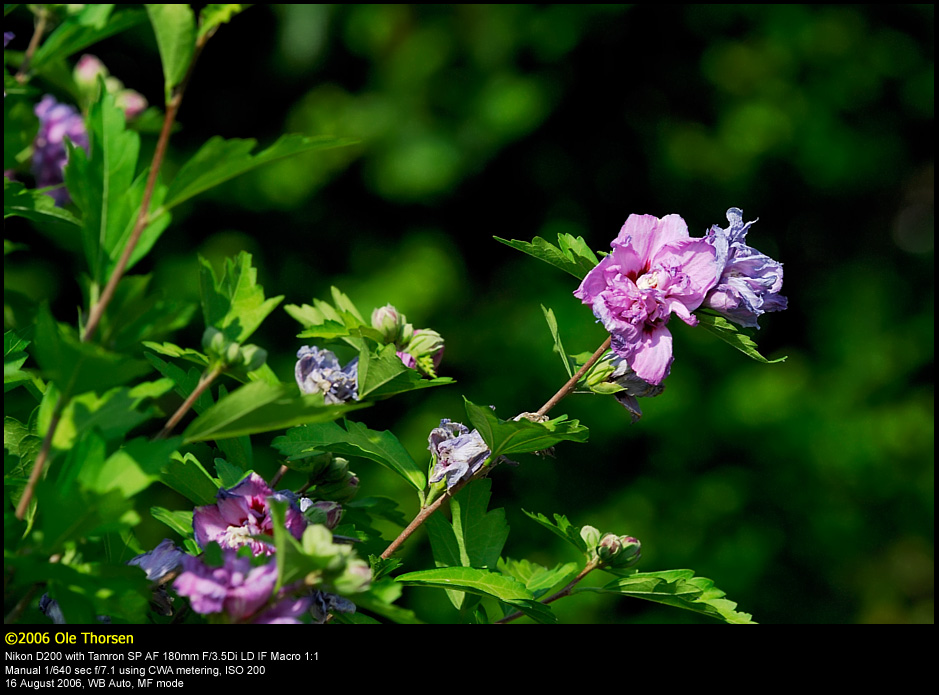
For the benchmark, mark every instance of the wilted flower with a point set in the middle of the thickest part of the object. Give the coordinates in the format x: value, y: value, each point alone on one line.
x: 318, y: 371
x: 654, y: 270
x: 324, y: 603
x: 242, y: 513
x: 56, y: 122
x: 458, y: 453
x: 160, y: 561
x: 238, y: 590
x: 750, y: 281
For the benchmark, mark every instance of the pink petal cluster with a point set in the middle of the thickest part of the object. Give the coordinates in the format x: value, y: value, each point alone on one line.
x: 243, y: 513
x: 655, y: 269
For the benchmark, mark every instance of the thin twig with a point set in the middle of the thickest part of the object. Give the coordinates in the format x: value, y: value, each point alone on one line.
x: 572, y: 382
x: 204, y: 382
x: 591, y: 566
x: 40, y: 462
x: 143, y: 216
x: 40, y: 29
x: 435, y: 505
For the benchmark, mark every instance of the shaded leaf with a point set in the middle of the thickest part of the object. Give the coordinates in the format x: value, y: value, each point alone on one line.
x: 562, y: 528
x: 87, y: 27
x: 740, y: 338
x: 234, y: 303
x: 219, y: 160
x: 175, y: 29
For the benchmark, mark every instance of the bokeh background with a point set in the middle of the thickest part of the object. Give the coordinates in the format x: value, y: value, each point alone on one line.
x: 804, y: 489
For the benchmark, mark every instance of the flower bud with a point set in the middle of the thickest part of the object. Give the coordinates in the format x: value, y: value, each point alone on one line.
x: 426, y: 343
x: 618, y: 551
x: 132, y: 103
x: 393, y: 325
x: 253, y: 357
x: 86, y: 73
x: 326, y: 512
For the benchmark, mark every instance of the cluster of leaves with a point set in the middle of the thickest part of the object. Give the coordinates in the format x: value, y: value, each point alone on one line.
x: 90, y: 436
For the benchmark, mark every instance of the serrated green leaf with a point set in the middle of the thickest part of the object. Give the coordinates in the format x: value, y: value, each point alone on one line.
x: 522, y: 436
x: 179, y: 521
x: 382, y: 374
x: 113, y: 414
x: 558, y: 346
x: 79, y: 366
x: 102, y: 184
x: 186, y: 475
x: 355, y: 440
x: 572, y: 255
x: 131, y: 468
x: 560, y: 527
x: 536, y: 578
x: 89, y: 26
x: 262, y: 407
x: 175, y: 29
x: 212, y: 16
x: 469, y: 579
x: 678, y: 588
x: 19, y: 201
x: 740, y: 338
x: 234, y: 303
x: 219, y: 160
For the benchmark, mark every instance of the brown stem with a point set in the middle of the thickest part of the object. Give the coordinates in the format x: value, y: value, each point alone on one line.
x: 572, y: 382
x: 40, y: 462
x: 204, y: 382
x: 40, y: 29
x: 434, y: 506
x: 591, y: 566
x: 143, y: 217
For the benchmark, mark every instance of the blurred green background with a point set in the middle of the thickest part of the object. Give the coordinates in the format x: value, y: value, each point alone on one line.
x: 804, y: 489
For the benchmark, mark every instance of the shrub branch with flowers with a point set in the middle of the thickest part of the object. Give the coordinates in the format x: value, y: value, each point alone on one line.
x: 245, y: 549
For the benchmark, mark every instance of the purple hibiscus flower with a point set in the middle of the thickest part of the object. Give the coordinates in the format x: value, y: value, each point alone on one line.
x: 318, y: 371
x: 654, y: 270
x: 242, y: 513
x: 458, y: 453
x: 242, y: 592
x: 56, y: 122
x: 750, y: 282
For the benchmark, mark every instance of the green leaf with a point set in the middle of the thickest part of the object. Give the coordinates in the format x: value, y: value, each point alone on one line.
x: 20, y: 126
x: 19, y: 201
x: 678, y: 588
x: 89, y: 26
x: 536, y: 578
x: 229, y: 475
x: 262, y: 407
x: 179, y: 521
x: 102, y: 185
x: 79, y: 366
x: 522, y: 436
x: 175, y: 29
x: 483, y: 583
x: 562, y: 528
x: 474, y: 537
x: 212, y: 16
x: 382, y: 374
x: 740, y: 338
x: 571, y: 255
x: 113, y: 414
x: 355, y: 440
x: 186, y: 475
x: 558, y: 346
x: 131, y: 468
x: 219, y: 160
x: 234, y: 303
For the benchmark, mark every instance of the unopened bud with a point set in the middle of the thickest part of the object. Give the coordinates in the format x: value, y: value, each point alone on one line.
x: 392, y: 324
x: 619, y: 551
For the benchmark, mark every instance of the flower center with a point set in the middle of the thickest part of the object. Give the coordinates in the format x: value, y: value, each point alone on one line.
x: 649, y: 281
